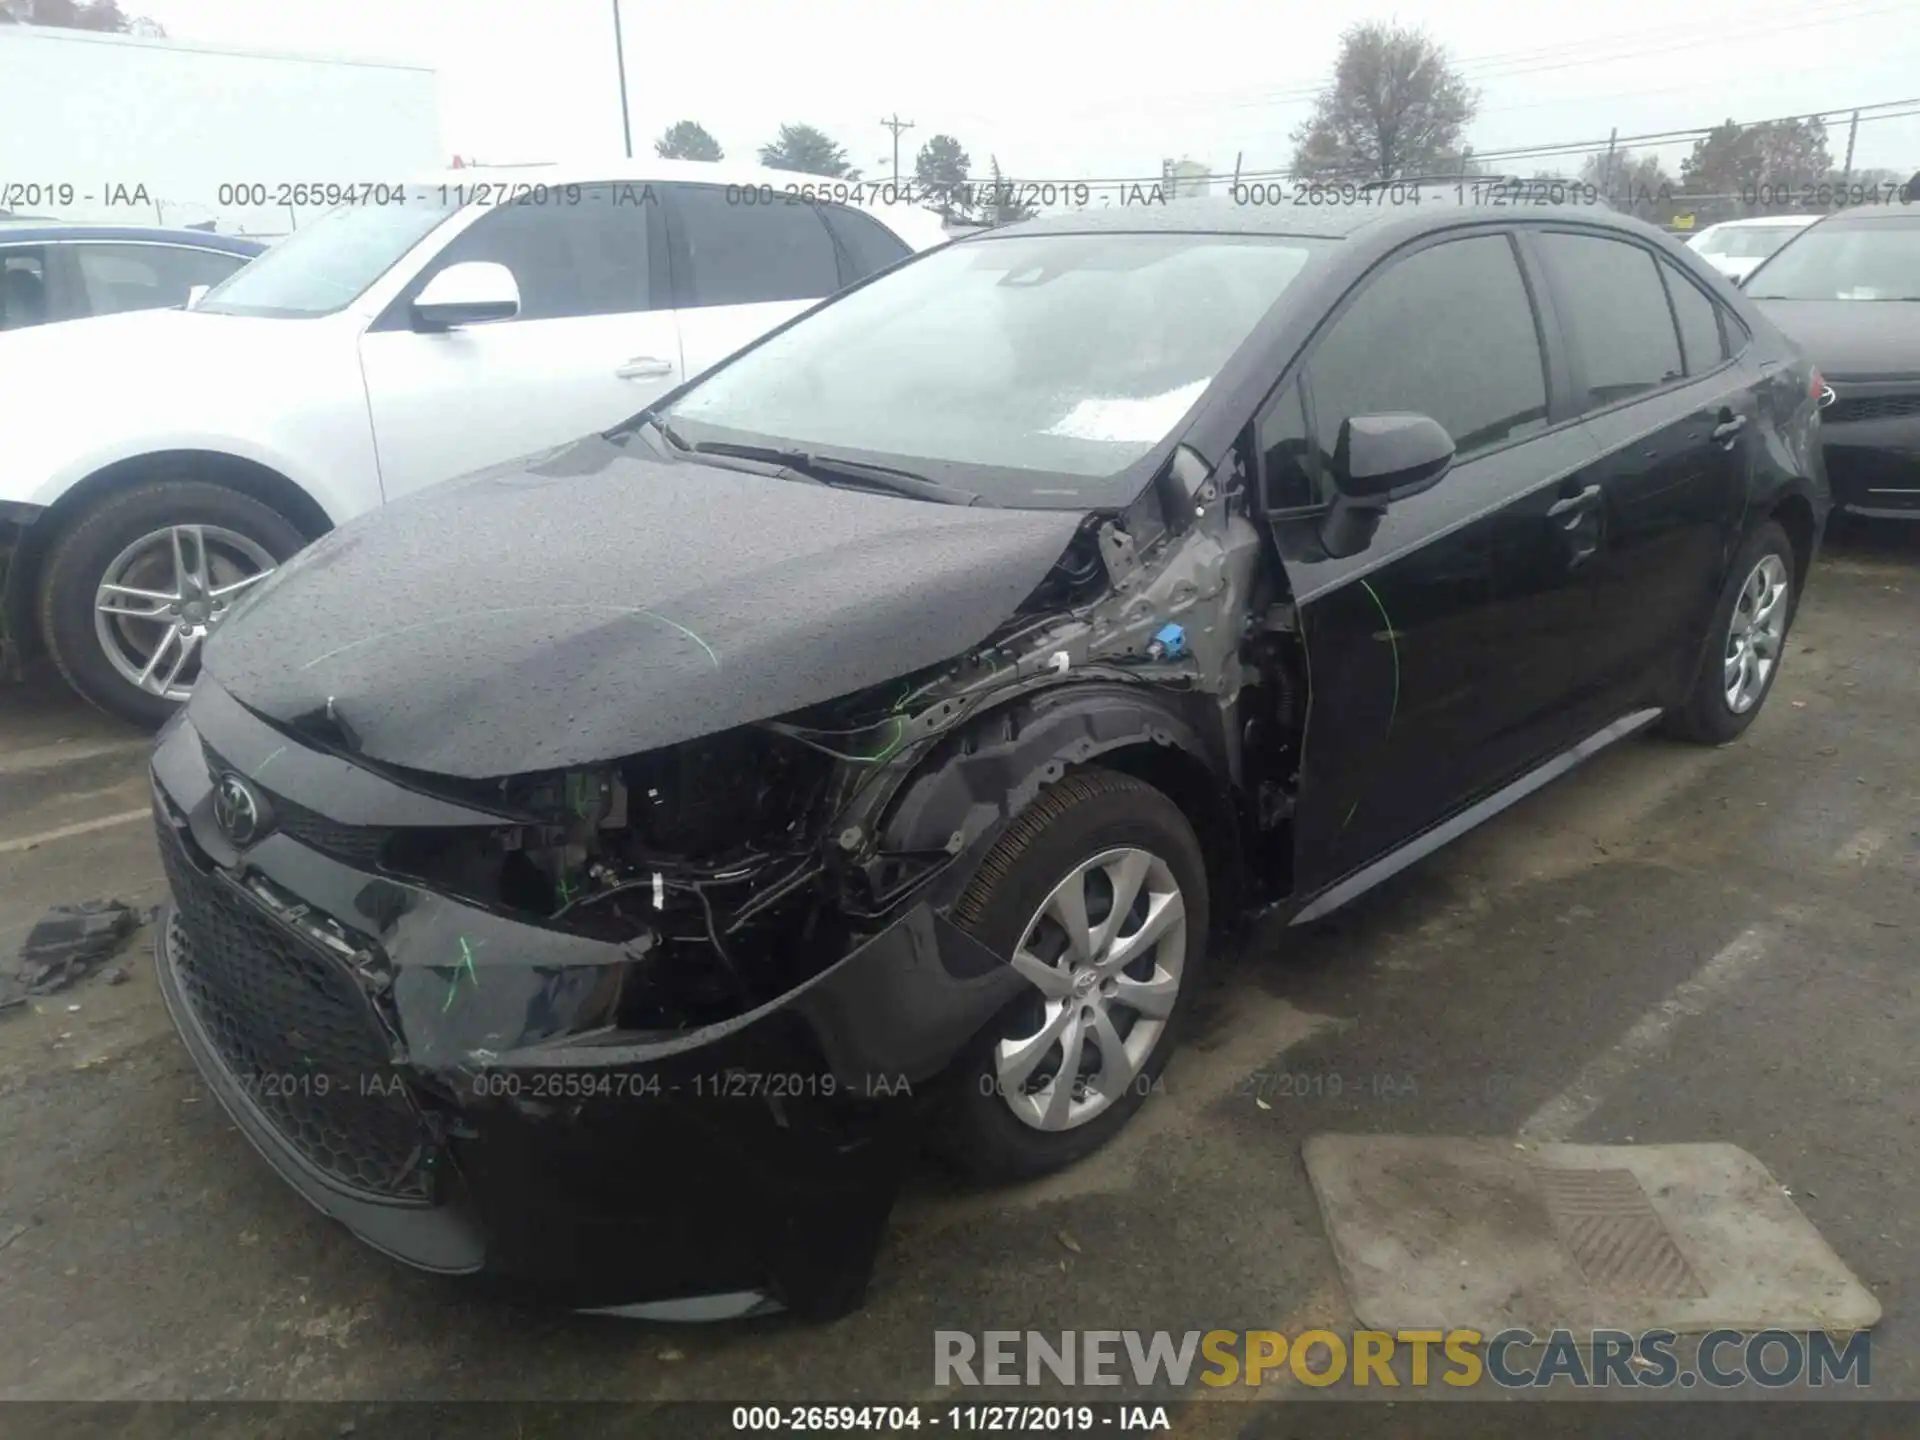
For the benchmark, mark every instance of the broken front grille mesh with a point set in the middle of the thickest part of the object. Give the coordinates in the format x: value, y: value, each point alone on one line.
x: 294, y: 1030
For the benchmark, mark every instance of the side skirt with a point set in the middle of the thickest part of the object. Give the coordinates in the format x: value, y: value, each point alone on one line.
x: 1428, y: 841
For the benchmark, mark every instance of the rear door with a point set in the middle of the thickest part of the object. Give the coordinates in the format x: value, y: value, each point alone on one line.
x: 743, y: 260
x: 1674, y: 416
x: 589, y: 347
x: 1425, y: 675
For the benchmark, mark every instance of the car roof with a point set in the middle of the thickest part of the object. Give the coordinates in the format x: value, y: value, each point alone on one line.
x: 637, y: 171
x: 917, y: 225
x: 1221, y: 215
x: 24, y: 231
x: 1754, y: 221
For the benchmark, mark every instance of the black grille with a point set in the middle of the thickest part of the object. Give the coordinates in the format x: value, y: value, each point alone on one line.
x: 358, y: 845
x: 295, y: 1031
x: 1871, y: 407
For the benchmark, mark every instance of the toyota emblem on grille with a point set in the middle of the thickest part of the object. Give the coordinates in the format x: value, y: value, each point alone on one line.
x: 236, y: 809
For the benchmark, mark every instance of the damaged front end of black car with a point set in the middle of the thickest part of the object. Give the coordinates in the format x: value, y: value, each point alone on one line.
x: 591, y: 916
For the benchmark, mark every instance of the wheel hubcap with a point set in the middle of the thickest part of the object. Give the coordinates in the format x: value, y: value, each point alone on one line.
x: 164, y: 593
x: 1105, y: 952
x: 1756, y: 634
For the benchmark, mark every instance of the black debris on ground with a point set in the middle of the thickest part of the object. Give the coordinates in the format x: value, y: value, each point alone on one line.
x: 66, y: 945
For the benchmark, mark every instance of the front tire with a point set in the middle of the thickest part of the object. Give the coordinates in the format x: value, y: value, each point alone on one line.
x: 1098, y: 892
x: 1748, y: 640
x: 130, y: 591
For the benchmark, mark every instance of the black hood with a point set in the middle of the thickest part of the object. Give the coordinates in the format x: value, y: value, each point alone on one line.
x: 1853, y: 339
x: 590, y: 603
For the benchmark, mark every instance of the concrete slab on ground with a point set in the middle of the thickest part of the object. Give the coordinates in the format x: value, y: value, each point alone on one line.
x: 1495, y: 1234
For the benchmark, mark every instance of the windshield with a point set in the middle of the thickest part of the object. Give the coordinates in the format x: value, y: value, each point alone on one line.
x: 1868, y: 259
x: 1748, y: 242
x: 324, y: 266
x: 1072, y: 355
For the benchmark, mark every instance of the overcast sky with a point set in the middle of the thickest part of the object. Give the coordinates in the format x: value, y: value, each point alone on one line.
x: 1090, y: 88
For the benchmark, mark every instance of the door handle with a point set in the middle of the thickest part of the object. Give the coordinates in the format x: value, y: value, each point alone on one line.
x: 1574, y: 503
x: 644, y: 367
x: 1728, y: 430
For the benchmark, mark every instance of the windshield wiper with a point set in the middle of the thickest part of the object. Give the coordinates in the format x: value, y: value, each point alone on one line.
x: 825, y: 469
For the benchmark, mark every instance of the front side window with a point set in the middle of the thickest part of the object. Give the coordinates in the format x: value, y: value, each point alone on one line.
x: 587, y: 256
x: 326, y: 265
x: 146, y: 277
x: 1846, y: 258
x: 1069, y: 354
x: 1613, y: 309
x: 23, y: 287
x: 745, y: 254
x: 1448, y: 332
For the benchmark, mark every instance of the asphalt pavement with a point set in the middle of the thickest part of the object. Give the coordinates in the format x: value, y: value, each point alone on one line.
x: 1672, y: 944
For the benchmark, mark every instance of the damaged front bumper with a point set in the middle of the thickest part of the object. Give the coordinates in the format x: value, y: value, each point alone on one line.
x: 448, y: 1082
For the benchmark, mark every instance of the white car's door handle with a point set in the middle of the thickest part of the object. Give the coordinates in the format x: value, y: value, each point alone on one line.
x: 644, y: 367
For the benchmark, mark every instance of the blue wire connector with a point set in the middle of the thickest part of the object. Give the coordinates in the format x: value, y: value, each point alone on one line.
x: 1169, y: 643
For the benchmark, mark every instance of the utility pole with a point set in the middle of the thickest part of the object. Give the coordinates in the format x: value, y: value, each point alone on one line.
x: 620, y: 57
x: 1853, y: 129
x: 1606, y: 171
x: 896, y: 125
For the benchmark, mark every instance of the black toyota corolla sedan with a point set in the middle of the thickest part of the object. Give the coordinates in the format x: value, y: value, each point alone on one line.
x: 600, y: 874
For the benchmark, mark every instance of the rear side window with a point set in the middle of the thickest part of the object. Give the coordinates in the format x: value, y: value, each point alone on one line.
x: 569, y: 260
x: 1448, y: 332
x: 1702, y: 342
x: 744, y: 254
x: 869, y: 245
x: 146, y: 277
x: 1615, y: 313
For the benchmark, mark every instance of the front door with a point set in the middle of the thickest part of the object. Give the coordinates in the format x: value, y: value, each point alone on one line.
x: 588, y: 349
x: 1416, y: 656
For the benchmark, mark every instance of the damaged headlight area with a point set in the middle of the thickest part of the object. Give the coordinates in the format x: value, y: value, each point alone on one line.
x: 719, y: 863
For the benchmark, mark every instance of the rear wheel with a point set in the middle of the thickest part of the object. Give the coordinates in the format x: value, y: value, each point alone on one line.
x: 1098, y: 892
x: 129, y: 592
x: 1750, y: 634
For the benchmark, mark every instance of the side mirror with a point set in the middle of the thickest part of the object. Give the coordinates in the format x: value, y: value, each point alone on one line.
x: 473, y: 292
x: 1383, y: 458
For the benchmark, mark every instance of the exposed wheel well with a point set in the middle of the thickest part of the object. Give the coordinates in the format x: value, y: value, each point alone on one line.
x: 256, y: 481
x: 1186, y: 780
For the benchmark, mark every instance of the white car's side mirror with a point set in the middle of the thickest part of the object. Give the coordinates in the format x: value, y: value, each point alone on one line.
x: 473, y: 292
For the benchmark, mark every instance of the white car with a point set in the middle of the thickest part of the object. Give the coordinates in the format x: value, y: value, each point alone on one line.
x: 1736, y: 247
x: 156, y: 465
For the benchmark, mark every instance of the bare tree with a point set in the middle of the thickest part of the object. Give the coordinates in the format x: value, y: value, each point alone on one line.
x: 1396, y: 107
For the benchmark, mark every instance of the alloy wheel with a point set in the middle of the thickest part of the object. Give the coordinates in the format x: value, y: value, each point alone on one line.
x: 1105, y: 950
x: 1756, y: 634
x: 162, y: 595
